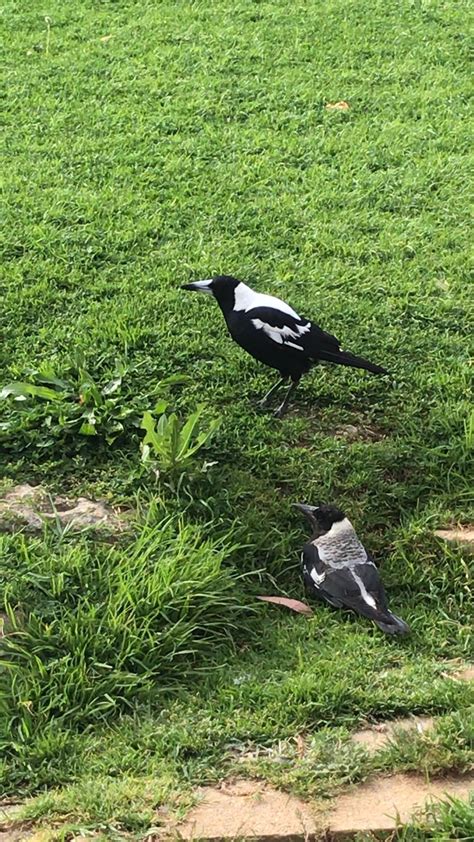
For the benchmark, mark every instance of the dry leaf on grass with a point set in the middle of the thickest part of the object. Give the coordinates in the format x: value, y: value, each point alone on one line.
x: 106, y: 38
x: 292, y: 604
x: 337, y: 106
x: 300, y: 745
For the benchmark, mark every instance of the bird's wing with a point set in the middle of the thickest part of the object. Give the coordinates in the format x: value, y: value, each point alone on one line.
x: 356, y: 586
x: 285, y: 329
x: 289, y: 331
x: 314, y: 574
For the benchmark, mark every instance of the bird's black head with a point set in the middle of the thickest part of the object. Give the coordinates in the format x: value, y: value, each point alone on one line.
x: 321, y: 517
x: 222, y: 287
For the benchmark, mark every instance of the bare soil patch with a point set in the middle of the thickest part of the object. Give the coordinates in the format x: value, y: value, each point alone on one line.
x: 359, y: 432
x: 465, y: 674
x: 378, y: 736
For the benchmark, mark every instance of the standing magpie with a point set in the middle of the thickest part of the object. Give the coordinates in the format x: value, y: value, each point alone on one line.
x: 338, y: 569
x: 272, y: 332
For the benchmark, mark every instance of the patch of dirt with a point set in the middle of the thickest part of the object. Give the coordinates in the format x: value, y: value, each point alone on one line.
x: 375, y: 805
x: 361, y: 432
x: 250, y: 809
x: 466, y: 674
x: 249, y: 752
x: 29, y: 507
x: 347, y: 432
x: 378, y: 736
x: 462, y: 535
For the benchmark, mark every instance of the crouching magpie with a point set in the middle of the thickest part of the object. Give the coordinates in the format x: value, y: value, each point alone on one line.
x: 272, y: 332
x: 338, y: 569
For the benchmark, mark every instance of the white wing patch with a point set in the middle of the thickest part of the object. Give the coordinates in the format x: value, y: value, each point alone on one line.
x: 281, y: 335
x: 317, y: 578
x: 247, y: 299
x: 368, y: 599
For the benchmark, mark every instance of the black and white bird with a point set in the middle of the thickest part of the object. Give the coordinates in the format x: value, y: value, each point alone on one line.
x: 338, y: 569
x: 272, y: 332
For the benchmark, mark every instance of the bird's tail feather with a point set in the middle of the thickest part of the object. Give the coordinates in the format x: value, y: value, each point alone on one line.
x: 346, y: 358
x: 391, y: 624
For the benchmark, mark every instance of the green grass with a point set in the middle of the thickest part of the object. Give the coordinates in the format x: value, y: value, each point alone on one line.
x: 441, y: 822
x: 194, y: 141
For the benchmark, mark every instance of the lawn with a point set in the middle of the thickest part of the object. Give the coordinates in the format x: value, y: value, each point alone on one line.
x: 149, y: 144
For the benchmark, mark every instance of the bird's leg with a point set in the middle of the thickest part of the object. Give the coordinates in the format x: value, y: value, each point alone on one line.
x: 282, y: 408
x: 264, y: 400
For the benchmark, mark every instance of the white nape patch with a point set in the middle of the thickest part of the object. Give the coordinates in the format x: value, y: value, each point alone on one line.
x: 368, y: 599
x: 317, y: 578
x: 247, y: 299
x: 280, y: 334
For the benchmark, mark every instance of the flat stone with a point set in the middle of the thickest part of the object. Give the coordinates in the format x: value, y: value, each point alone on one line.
x: 375, y: 805
x: 253, y: 810
x: 29, y: 507
x: 247, y: 809
x: 10, y: 828
x: 378, y: 736
x: 9, y: 811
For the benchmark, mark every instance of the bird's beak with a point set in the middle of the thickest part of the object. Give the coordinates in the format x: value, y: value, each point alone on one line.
x: 307, y: 510
x: 200, y: 286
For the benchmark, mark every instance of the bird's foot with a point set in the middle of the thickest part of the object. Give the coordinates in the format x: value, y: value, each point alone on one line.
x: 280, y: 411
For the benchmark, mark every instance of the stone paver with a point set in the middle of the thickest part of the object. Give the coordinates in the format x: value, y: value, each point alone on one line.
x: 29, y: 507
x: 248, y: 809
x: 463, y: 535
x: 374, y: 805
x: 254, y: 810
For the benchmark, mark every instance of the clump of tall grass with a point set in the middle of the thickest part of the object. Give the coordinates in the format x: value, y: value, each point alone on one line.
x: 94, y: 629
x: 442, y: 821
